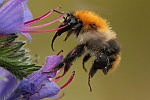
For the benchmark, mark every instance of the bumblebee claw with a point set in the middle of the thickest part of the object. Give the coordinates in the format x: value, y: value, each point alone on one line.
x: 68, y: 34
x: 105, y: 70
x: 59, y: 52
x: 55, y: 36
x: 85, y: 59
x: 89, y: 83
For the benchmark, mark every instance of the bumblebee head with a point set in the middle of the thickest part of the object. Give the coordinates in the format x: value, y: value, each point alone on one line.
x: 71, y: 23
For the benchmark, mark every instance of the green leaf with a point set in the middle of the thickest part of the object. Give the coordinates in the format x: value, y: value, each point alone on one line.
x: 14, y: 58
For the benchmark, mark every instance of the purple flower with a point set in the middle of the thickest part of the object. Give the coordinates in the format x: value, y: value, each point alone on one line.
x: 17, y: 18
x: 7, y: 86
x: 37, y: 85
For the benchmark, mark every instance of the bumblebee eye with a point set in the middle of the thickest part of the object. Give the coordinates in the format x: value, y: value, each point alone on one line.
x: 67, y: 17
x: 70, y: 19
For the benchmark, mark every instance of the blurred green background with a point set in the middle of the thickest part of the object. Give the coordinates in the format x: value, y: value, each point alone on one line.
x: 131, y: 21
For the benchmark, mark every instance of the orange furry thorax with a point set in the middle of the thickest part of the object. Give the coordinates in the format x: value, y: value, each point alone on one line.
x: 88, y: 17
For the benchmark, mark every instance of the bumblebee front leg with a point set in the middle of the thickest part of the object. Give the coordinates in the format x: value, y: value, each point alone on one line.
x: 76, y: 52
x: 71, y: 56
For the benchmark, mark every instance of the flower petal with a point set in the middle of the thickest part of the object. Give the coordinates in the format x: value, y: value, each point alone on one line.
x: 1, y: 2
x: 28, y: 36
x: 7, y: 87
x: 49, y: 90
x: 12, y: 17
x: 27, y: 14
x: 39, y: 76
x: 51, y: 62
x: 25, y: 87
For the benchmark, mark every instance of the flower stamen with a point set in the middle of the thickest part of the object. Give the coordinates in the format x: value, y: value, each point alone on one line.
x: 32, y: 29
x: 45, y: 31
x: 41, y: 17
x: 43, y: 25
x: 69, y: 81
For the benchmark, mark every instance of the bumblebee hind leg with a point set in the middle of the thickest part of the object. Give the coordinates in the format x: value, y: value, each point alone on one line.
x: 102, y: 63
x: 99, y: 63
x: 85, y: 59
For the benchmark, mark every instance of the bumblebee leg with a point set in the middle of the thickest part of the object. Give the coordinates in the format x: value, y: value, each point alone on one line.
x: 89, y: 83
x: 93, y: 70
x: 66, y: 68
x: 85, y: 59
x: 105, y: 61
x: 77, y: 52
x: 76, y: 29
x: 102, y: 62
x: 67, y: 62
x: 99, y: 63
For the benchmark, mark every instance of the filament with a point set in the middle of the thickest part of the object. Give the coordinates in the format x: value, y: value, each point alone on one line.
x: 43, y: 25
x: 44, y: 31
x: 70, y: 79
x: 41, y: 17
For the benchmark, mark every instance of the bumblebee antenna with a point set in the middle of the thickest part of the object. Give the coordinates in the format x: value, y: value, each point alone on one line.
x: 58, y: 11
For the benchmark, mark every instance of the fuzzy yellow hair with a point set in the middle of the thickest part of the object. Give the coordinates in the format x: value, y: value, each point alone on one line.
x: 88, y: 17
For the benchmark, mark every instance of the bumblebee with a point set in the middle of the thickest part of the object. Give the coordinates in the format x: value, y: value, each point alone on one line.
x: 95, y: 38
